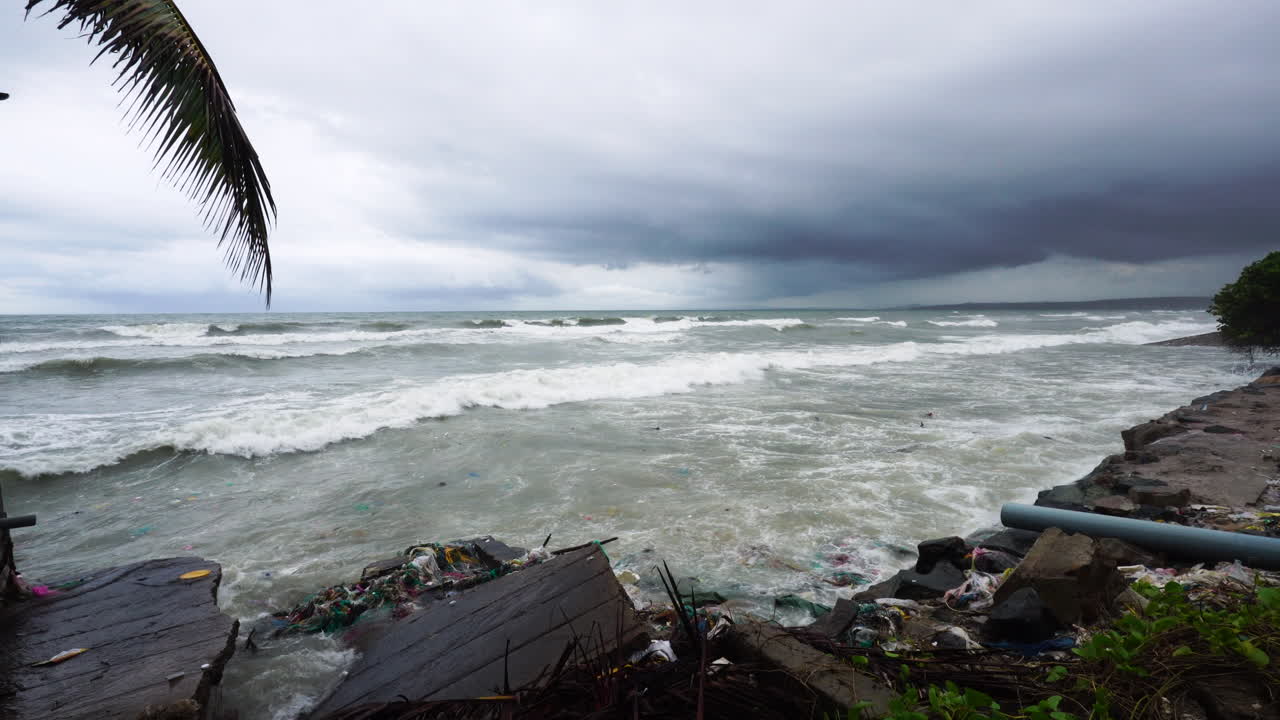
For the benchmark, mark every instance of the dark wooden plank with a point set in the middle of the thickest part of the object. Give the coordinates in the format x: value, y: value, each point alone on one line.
x: 448, y: 651
x: 486, y: 604
x: 465, y: 649
x: 142, y: 625
x: 537, y: 657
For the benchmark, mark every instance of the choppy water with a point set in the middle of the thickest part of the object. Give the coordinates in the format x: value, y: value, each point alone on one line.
x: 742, y: 447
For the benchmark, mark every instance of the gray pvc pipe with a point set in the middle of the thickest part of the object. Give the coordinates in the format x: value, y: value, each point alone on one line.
x: 1179, y: 541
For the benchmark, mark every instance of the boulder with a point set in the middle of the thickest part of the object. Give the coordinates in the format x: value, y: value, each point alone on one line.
x: 1159, y: 496
x: 1139, y: 436
x: 834, y: 624
x: 1061, y: 496
x: 1021, y: 616
x: 1118, y: 505
x: 1072, y: 578
x: 913, y: 585
x: 1121, y: 485
x: 948, y: 549
x: 1012, y: 540
x: 1120, y: 552
x: 994, y: 561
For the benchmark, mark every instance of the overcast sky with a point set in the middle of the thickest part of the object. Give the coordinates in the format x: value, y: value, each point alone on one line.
x: 593, y: 155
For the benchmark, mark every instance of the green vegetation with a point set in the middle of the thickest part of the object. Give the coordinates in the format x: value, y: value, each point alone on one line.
x: 1138, y: 667
x: 1248, y: 310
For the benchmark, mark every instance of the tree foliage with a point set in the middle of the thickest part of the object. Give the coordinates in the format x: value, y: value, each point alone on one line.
x: 1248, y: 310
x: 177, y: 99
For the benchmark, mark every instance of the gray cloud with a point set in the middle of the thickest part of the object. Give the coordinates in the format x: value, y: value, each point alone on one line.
x: 824, y: 149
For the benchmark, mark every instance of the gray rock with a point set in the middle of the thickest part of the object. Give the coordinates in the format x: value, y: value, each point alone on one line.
x: 1159, y: 496
x: 995, y: 561
x: 912, y: 585
x: 1222, y: 430
x: 1073, y: 579
x: 1012, y: 540
x: 1118, y: 505
x: 948, y: 549
x: 1021, y: 616
x: 1120, y: 552
x: 1139, y: 436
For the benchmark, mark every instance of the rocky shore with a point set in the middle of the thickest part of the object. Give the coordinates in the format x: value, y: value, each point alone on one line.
x: 1213, y: 463
x: 1213, y: 339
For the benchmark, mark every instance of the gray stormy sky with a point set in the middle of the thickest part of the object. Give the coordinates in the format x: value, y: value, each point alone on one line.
x: 668, y: 154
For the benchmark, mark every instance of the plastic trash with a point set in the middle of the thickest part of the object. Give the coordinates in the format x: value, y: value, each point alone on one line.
x: 536, y: 555
x: 863, y: 637
x: 1033, y: 649
x: 194, y: 574
x: 795, y: 602
x: 974, y: 593
x: 900, y: 603
x: 657, y: 650
x: 427, y: 565
x: 954, y: 638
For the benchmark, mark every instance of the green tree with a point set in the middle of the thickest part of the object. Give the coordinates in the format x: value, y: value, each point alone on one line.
x: 178, y: 101
x: 1248, y: 310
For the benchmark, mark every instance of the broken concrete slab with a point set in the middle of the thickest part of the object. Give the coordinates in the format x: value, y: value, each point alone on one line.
x: 836, y: 683
x: 152, y: 638
x: 512, y: 628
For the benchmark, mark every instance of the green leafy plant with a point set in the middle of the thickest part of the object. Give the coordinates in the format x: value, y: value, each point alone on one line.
x: 1248, y: 310
x: 1245, y: 628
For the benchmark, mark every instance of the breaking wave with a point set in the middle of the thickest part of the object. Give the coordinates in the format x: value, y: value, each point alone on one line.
x: 974, y: 322
x: 272, y: 328
x: 265, y: 425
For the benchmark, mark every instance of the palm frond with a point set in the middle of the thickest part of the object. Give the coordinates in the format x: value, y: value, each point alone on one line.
x: 177, y: 99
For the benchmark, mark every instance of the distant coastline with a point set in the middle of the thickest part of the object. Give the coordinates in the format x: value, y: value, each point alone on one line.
x: 1178, y: 302
x: 1213, y: 339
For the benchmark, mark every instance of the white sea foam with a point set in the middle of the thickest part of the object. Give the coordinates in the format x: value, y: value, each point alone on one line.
x: 263, y: 425
x: 158, y: 331
x: 973, y: 322
x: 872, y: 318
x: 1062, y: 315
x: 194, y: 335
x: 894, y: 323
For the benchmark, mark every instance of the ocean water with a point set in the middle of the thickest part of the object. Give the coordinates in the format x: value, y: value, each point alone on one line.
x: 755, y: 451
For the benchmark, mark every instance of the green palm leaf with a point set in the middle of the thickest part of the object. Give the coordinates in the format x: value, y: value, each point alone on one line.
x: 180, y: 103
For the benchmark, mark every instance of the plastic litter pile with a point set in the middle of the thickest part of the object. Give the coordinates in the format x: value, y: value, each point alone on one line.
x: 430, y: 569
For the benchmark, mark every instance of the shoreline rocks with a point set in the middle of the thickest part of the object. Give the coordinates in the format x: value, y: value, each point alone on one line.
x: 1212, y: 339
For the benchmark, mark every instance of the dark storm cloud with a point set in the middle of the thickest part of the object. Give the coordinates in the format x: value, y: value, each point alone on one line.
x: 1141, y: 137
x: 671, y: 153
